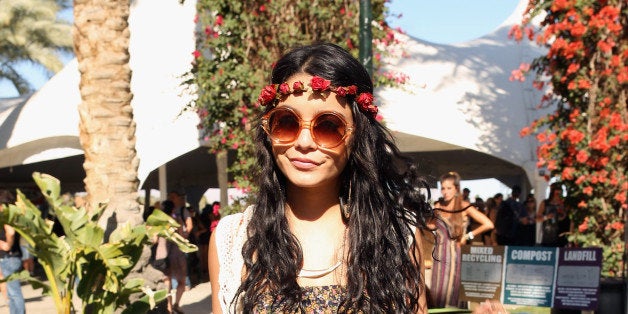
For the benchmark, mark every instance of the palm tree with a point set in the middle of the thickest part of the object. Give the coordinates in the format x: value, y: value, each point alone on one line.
x: 31, y: 32
x: 106, y: 127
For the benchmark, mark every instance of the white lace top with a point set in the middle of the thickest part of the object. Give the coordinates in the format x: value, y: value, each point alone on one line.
x: 230, y: 237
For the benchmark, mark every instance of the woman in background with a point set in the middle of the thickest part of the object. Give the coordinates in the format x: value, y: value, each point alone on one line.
x: 451, y: 221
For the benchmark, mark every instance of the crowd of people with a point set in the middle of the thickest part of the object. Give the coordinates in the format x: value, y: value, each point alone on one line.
x: 515, y: 218
x: 184, y: 270
x: 458, y: 221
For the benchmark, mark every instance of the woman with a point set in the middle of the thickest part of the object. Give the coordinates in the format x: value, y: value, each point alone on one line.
x: 334, y: 224
x: 492, y: 207
x: 527, y: 223
x: 208, y: 219
x: 450, y: 223
x: 551, y: 211
x: 177, y: 262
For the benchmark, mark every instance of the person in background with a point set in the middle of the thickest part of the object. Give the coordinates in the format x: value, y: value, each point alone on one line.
x: 466, y: 195
x: 507, y: 218
x: 526, y: 231
x: 182, y: 214
x: 450, y: 224
x: 489, y: 205
x: 210, y: 215
x: 10, y: 259
x: 550, y: 211
x: 473, y: 224
x: 177, y: 262
x: 492, y: 215
x: 28, y: 260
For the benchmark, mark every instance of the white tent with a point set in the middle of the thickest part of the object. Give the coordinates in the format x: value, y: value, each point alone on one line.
x: 44, y: 127
x: 459, y: 111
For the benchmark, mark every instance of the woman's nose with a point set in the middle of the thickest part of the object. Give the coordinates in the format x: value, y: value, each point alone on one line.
x: 305, y: 139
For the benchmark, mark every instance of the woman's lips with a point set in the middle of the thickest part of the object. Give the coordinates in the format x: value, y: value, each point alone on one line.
x: 303, y: 163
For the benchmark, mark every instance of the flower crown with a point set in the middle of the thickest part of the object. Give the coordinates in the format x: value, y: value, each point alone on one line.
x: 271, y: 93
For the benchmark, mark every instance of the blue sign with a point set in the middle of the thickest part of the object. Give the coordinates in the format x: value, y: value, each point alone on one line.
x: 529, y: 275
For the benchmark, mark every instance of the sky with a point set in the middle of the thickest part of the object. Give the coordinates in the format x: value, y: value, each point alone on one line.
x: 449, y: 21
x: 442, y: 22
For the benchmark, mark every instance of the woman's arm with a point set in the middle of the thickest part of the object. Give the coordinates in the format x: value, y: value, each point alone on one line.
x: 9, y: 233
x: 419, y: 254
x: 540, y: 216
x: 485, y: 224
x: 214, y: 270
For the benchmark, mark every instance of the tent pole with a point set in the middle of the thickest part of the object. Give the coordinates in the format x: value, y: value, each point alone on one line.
x: 163, y: 183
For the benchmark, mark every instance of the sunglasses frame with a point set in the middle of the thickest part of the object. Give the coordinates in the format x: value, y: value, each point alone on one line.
x: 303, y: 124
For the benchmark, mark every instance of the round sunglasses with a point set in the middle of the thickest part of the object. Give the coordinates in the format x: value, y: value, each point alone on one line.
x: 283, y: 126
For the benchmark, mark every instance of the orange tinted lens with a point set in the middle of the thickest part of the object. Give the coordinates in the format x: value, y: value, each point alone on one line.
x: 283, y: 126
x: 328, y: 130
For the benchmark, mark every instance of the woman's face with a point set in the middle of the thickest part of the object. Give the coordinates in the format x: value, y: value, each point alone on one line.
x: 531, y: 203
x: 304, y: 163
x: 448, y: 190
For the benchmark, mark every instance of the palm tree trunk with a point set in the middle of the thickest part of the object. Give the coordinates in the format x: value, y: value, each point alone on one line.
x: 107, y: 130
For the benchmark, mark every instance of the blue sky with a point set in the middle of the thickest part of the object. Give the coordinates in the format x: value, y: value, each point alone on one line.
x: 449, y: 21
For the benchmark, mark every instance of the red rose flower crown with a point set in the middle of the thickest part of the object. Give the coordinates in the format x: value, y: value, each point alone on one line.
x: 271, y: 93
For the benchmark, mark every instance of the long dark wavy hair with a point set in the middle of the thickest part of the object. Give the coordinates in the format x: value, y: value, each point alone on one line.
x: 387, y: 199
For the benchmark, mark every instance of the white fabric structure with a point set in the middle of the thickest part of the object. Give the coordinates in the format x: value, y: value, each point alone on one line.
x: 459, y: 111
x: 459, y: 97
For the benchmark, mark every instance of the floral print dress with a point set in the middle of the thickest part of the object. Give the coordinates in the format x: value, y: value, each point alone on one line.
x: 317, y: 299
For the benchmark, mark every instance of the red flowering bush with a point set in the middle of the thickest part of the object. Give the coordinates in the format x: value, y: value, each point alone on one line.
x: 583, y: 142
x: 238, y: 42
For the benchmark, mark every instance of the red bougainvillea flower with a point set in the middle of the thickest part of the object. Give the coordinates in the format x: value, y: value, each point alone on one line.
x: 587, y: 190
x: 568, y: 173
x: 582, y: 156
x: 584, y: 225
x: 617, y: 225
x: 620, y: 197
